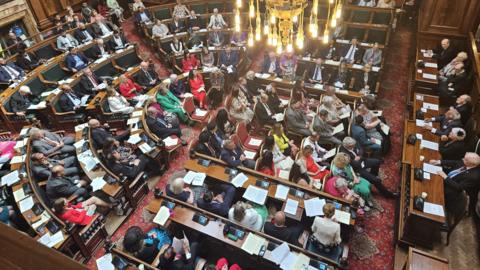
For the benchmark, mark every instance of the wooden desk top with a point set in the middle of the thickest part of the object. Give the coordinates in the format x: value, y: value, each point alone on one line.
x: 425, y: 70
x: 420, y: 260
x: 433, y: 187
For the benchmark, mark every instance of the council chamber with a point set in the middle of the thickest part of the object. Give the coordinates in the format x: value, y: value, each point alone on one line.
x: 239, y: 134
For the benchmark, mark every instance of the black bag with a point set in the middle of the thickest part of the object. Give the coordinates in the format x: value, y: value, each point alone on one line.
x: 420, y: 115
x: 418, y: 203
x: 418, y: 174
x: 412, y: 139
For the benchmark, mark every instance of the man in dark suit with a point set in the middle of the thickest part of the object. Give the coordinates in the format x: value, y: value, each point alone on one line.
x: 177, y: 87
x: 118, y: 41
x: 316, y: 73
x: 42, y: 166
x: 445, y: 53
x: 465, y: 176
x: 463, y: 105
x: 10, y: 72
x: 13, y: 41
x: 101, y: 133
x: 297, y: 120
x: 99, y: 49
x: 27, y: 61
x: 455, y: 147
x: 228, y: 59
x: 102, y: 28
x: 220, y: 203
x: 263, y: 113
x: 159, y: 126
x: 146, y: 76
x: 89, y: 82
x: 75, y: 60
x: 143, y: 16
x: 359, y: 133
x: 447, y: 121
x: 271, y: 64
x: 83, y: 34
x: 233, y: 155
x: 59, y: 185
x: 51, y: 144
x: 212, y: 139
x: 68, y: 100
x: 366, y: 80
x: 352, y: 53
x: 20, y: 101
x: 330, y: 52
x: 279, y: 230
x: 177, y: 26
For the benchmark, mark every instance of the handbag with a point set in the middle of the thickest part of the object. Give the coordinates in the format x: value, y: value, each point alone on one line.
x: 412, y: 139
x: 418, y: 174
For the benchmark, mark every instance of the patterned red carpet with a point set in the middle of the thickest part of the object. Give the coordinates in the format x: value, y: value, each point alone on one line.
x: 372, y: 245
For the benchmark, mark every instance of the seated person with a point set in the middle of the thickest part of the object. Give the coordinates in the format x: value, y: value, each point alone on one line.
x: 218, y: 203
x: 83, y: 34
x: 338, y: 187
x: 203, y: 146
x: 463, y: 104
x: 130, y: 89
x: 214, y: 141
x: 341, y: 107
x: 69, y: 101
x: 125, y: 167
x: 103, y: 28
x: 194, y: 42
x: 42, y: 166
x: 216, y: 21
x: 317, y: 74
x: 90, y: 83
x: 159, y: 30
x: 20, y: 101
x: 281, y: 161
x: 228, y: 59
x: 137, y: 4
x: 7, y: 213
x: 309, y: 167
x: 180, y: 10
x: 100, y: 49
x: 118, y: 41
x: 366, y: 81
x: 341, y: 167
x: 288, y: 65
x: 216, y: 38
x: 271, y: 64
x: 386, y: 4
x: 234, y: 157
x: 75, y: 60
x: 448, y: 69
x: 10, y: 72
x: 143, y: 16
x: 28, y: 61
x: 146, y: 76
x: 248, y: 215
x: 225, y: 128
x: 326, y: 230
x: 452, y: 84
x: 143, y: 246
x: 222, y: 264
x: 170, y: 103
x: 170, y: 260
x: 51, y: 144
x: 273, y: 99
x: 80, y: 213
x: 454, y: 148
x: 100, y: 134
x: 279, y: 230
x: 197, y: 87
x: 342, y: 77
x: 318, y: 151
x: 239, y: 39
x: 207, y: 58
x: 118, y: 103
x: 351, y: 53
x: 359, y: 133
x: 177, y: 26
x: 61, y: 186
x: 285, y: 145
x: 266, y: 165
x: 365, y: 3
x: 449, y: 120
x: 161, y: 128
x: 240, y: 107
x: 189, y: 62
x: 177, y: 190
x: 297, y: 120
x: 65, y: 41
x: 177, y: 86
x: 330, y: 52
x: 324, y: 129
x: 195, y: 23
x: 370, y: 122
x: 176, y: 46
x: 373, y: 56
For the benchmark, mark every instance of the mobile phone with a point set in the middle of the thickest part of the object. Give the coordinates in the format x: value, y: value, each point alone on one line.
x: 204, y: 162
x: 262, y: 183
x: 200, y: 219
x: 169, y: 205
x: 37, y: 209
x: 52, y: 226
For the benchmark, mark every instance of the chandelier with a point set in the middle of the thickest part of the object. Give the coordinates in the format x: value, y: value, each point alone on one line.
x: 283, y: 22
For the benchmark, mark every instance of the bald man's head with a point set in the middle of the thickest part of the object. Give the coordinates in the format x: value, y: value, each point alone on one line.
x: 93, y: 123
x: 279, y: 218
x: 58, y: 170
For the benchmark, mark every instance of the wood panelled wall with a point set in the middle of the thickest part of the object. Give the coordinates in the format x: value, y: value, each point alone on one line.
x: 448, y: 17
x: 45, y: 10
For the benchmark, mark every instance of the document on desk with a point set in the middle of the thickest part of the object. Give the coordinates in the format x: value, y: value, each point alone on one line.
x: 253, y: 243
x: 318, y: 86
x: 88, y: 162
x: 294, y: 261
x: 199, y: 179
x: 18, y: 159
x: 19, y: 195
x: 421, y: 123
x: 255, y: 142
x: 338, y: 129
x: 255, y: 194
x: 279, y: 117
x: 314, y: 207
x: 80, y: 127
x: 249, y: 154
x: 105, y: 262
x: 134, y: 139
x: 331, y: 62
x: 429, y: 76
x: 279, y: 253
x: 432, y: 65
x: 356, y: 66
x: 429, y: 168
x: 45, y: 239
x: 146, y: 148
x: 162, y: 216
x: 430, y: 106
x: 132, y: 121
x: 98, y: 183
x: 375, y: 69
x: 385, y: 128
x: 430, y: 145
x: 291, y: 207
x: 330, y: 153
x: 284, y: 174
x: 188, y: 178
x: 10, y: 178
x: 200, y: 112
x: 345, y: 115
x: 26, y: 204
x: 137, y: 113
x: 170, y: 141
x: 426, y: 175
x: 433, y: 209
x: 239, y: 180
x: 79, y: 144
x: 282, y: 192
x: 55, y: 239
x: 342, y: 216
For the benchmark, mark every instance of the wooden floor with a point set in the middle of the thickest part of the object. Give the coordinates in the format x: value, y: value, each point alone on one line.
x: 462, y: 253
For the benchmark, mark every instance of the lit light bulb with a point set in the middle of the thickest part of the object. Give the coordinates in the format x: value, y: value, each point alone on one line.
x: 251, y: 12
x: 258, y: 34
x: 333, y: 23
x: 272, y: 19
x: 250, y: 40
x: 270, y: 41
x: 274, y: 40
x: 326, y: 35
x: 266, y: 29
x: 315, y: 31
x: 331, y: 1
x: 300, y: 42
x: 239, y: 3
x: 295, y: 19
x: 289, y: 47
x: 279, y: 48
x: 339, y: 12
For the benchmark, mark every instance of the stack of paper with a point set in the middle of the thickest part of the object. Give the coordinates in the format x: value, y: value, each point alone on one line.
x: 429, y: 168
x: 294, y: 261
x: 279, y: 253
x: 19, y: 195
x: 18, y: 159
x: 314, y: 207
x: 330, y: 153
x: 105, y: 262
x: 342, y: 216
x: 145, y: 148
x: 434, y: 209
x: 10, y: 178
x: 98, y: 183
x: 239, y: 180
x: 291, y: 207
x: 51, y: 240
x: 170, y: 141
x: 282, y: 192
x: 134, y: 139
x: 26, y: 204
x: 162, y: 216
x: 430, y: 145
x: 88, y: 162
x: 194, y: 178
x: 338, y: 129
x: 255, y: 194
x: 253, y: 243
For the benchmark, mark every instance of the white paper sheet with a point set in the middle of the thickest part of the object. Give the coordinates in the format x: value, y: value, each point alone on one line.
x: 132, y: 121
x: 19, y: 195
x: 55, y: 239
x: 278, y: 117
x: 385, y: 128
x: 421, y: 123
x: 145, y: 148
x: 18, y: 159
x: 26, y: 204
x: 98, y: 183
x: 134, y: 139
x: 426, y: 176
x: 429, y: 76
x: 289, y: 262
x: 342, y: 216
x: 255, y: 142
x: 105, y: 262
x: 279, y: 253
x: 137, y: 113
x: 79, y: 144
x: 253, y: 243
x: 284, y: 174
x: 255, y: 194
x: 432, y: 65
x: 314, y: 207
x: 162, y: 216
x: 434, y: 209
x: 199, y: 179
x: 249, y: 154
x: 239, y: 180
x: 429, y: 145
x: 291, y: 207
x: 431, y: 168
x: 338, y: 129
x: 430, y: 106
x: 80, y: 127
x: 170, y: 141
x: 282, y: 192
x: 330, y: 153
x: 10, y: 178
x: 345, y: 115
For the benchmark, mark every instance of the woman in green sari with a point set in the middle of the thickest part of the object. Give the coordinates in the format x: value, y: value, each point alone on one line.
x: 341, y: 167
x: 171, y: 103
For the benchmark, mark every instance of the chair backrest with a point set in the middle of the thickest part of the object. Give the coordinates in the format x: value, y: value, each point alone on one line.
x: 377, y: 35
x: 163, y: 14
x: 461, y: 208
x: 199, y: 8
x: 191, y: 147
x: 128, y: 60
x: 382, y: 18
x: 36, y: 86
x: 236, y: 140
x: 242, y: 131
x: 106, y: 70
x: 55, y: 73
x: 46, y: 52
x: 56, y: 104
x: 355, y: 32
x: 258, y: 162
x: 189, y: 105
x: 360, y: 16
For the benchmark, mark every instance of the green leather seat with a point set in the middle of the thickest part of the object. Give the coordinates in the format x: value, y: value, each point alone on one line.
x: 55, y: 74
x: 382, y: 18
x: 352, y: 32
x: 360, y: 16
x: 46, y: 52
x: 163, y: 14
x: 128, y: 60
x: 37, y: 87
x: 107, y: 70
x: 199, y: 9
x: 220, y: 7
x: 379, y: 36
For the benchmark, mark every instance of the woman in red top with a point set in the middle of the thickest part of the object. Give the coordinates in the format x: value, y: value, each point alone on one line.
x: 78, y: 213
x: 189, y: 61
x: 197, y: 86
x: 310, y: 167
x: 266, y: 166
x: 128, y: 88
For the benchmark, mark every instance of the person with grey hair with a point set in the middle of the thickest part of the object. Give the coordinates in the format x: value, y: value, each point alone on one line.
x: 463, y: 104
x: 159, y: 126
x: 324, y: 129
x: 455, y: 148
x: 51, y: 144
x: 318, y: 151
x: 177, y: 87
x: 297, y: 119
x: 20, y: 101
x: 449, y: 120
x: 328, y: 104
x: 177, y: 190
